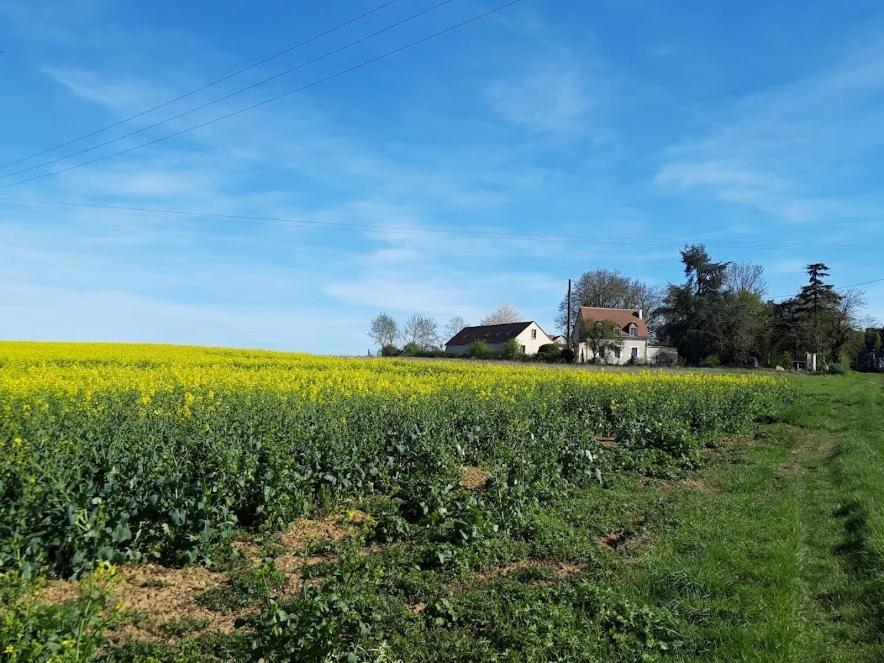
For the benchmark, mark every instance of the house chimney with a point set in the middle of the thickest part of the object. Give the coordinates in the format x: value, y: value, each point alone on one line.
x: 641, y: 314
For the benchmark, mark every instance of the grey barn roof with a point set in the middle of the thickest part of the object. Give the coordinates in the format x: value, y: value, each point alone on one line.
x: 489, y: 333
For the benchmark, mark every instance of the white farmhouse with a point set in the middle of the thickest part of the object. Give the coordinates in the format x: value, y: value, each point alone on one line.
x: 528, y: 335
x: 636, y: 347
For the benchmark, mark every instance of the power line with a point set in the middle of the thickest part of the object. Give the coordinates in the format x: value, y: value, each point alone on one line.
x: 416, y: 232
x: 843, y: 287
x: 206, y: 86
x: 319, y: 81
x: 856, y: 285
x: 235, y: 93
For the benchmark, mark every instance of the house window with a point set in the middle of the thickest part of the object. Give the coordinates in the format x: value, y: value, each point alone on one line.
x: 632, y: 329
x: 617, y: 353
x: 533, y: 334
x: 601, y: 354
x: 634, y: 353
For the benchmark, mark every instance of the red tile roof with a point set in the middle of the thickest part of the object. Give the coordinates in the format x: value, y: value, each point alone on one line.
x: 623, y: 317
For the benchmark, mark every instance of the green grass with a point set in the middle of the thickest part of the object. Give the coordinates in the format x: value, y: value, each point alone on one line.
x: 773, y: 550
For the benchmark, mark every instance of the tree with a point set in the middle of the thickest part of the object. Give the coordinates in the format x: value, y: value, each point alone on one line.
x: 601, y: 336
x: 703, y: 275
x: 817, y: 312
x: 820, y: 319
x: 708, y: 322
x: 454, y: 325
x: 383, y: 330
x: 745, y: 277
x: 605, y: 288
x: 502, y: 315
x: 421, y: 331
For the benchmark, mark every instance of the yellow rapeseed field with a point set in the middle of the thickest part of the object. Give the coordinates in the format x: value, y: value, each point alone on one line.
x: 127, y: 452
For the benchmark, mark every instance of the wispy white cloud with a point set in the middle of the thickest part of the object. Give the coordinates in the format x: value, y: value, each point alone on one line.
x: 121, y: 94
x: 552, y: 96
x: 788, y: 150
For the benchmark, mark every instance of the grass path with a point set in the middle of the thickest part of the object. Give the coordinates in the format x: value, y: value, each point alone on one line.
x: 780, y: 556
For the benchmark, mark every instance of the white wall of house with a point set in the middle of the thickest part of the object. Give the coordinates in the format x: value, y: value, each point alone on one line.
x: 639, y: 348
x: 632, y: 347
x: 655, y: 351
x: 532, y: 338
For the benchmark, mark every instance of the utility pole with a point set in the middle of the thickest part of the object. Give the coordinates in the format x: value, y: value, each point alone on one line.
x: 568, y: 323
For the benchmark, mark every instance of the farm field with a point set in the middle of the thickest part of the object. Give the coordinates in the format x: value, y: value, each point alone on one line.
x: 170, y: 503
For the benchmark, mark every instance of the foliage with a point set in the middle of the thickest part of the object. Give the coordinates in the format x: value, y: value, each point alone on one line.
x: 390, y: 350
x: 383, y: 330
x: 610, y: 289
x: 745, y: 277
x: 549, y: 352
x: 453, y: 326
x: 665, y: 358
x: 159, y: 453
x: 60, y: 633
x: 717, y: 317
x: 819, y: 320
x: 510, y: 350
x: 601, y: 336
x: 421, y: 332
x: 479, y: 350
x: 870, y: 355
x: 501, y: 315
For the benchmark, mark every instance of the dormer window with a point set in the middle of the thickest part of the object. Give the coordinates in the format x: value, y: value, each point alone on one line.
x: 632, y: 329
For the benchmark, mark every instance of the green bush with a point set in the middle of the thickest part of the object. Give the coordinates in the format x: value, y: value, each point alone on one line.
x: 549, y: 352
x: 666, y: 358
x: 510, y: 350
x: 479, y: 350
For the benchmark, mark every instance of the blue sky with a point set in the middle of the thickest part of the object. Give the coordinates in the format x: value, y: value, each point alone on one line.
x: 628, y: 126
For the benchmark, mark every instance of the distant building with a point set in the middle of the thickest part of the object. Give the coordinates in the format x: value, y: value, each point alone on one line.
x: 636, y: 346
x: 528, y: 335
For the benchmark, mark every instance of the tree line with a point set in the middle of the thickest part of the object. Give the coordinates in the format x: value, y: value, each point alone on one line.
x: 721, y: 315
x: 420, y: 334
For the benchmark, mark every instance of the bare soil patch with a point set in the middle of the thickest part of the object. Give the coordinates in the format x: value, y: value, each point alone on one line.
x: 157, y: 595
x: 474, y: 478
x: 627, y: 536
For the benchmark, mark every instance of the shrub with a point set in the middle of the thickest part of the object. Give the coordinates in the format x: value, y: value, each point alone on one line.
x: 835, y: 368
x: 479, y: 350
x: 390, y: 350
x: 412, y: 349
x: 665, y: 358
x: 549, y: 352
x: 510, y: 350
